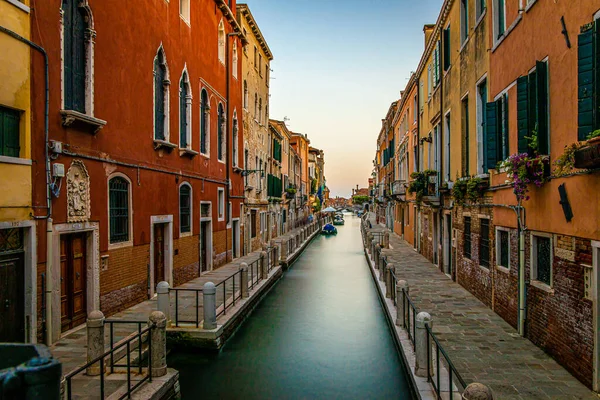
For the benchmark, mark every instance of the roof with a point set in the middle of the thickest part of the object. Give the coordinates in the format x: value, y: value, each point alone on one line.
x: 244, y: 11
x: 231, y: 19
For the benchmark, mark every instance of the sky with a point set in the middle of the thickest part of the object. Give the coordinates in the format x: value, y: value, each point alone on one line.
x: 337, y: 67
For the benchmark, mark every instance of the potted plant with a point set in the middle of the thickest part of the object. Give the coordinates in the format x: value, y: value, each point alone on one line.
x: 521, y: 170
x: 459, y: 190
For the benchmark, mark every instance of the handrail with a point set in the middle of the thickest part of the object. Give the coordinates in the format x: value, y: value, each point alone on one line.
x: 451, y: 368
x: 254, y: 276
x: 406, y: 320
x: 125, y: 343
x: 111, y: 323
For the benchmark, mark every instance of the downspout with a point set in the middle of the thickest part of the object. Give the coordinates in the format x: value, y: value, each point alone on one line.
x: 227, y: 166
x: 520, y: 211
x: 48, y: 216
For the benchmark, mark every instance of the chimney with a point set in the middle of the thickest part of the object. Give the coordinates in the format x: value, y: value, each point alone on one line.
x: 428, y: 29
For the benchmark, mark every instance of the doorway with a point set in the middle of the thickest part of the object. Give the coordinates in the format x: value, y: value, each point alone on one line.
x: 12, y: 286
x: 447, y: 253
x: 159, y: 256
x: 73, y: 288
x: 235, y: 234
x: 435, y: 238
x: 205, y: 246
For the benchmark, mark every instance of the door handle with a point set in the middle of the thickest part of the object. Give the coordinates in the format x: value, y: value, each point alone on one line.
x: 6, y: 303
x: 77, y: 275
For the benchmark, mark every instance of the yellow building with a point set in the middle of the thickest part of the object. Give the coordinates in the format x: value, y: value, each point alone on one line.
x: 17, y: 228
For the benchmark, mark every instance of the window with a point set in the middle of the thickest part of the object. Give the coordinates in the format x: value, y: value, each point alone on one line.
x: 185, y: 112
x: 118, y: 209
x: 221, y: 203
x: 464, y: 20
x: 465, y: 140
x: 260, y: 65
x: 205, y: 210
x: 496, y: 132
x: 161, y: 97
x: 253, y: 223
x: 9, y: 132
x: 467, y: 237
x: 436, y: 65
x: 259, y: 110
x: 222, y: 42
x: 447, y: 54
x: 481, y: 102
x: 502, y: 248
x: 77, y: 57
x: 588, y: 80
x: 484, y: 242
x: 185, y: 210
x: 229, y: 212
x: 234, y: 60
x: 220, y: 133
x: 532, y: 110
x: 235, y: 139
x: 255, y: 106
x: 245, y: 94
x: 429, y: 80
x: 479, y: 8
x: 448, y: 154
x: 415, y: 109
x: 499, y: 18
x: 184, y: 9
x: 267, y: 74
x: 541, y: 258
x: 255, y: 58
x: 204, y: 122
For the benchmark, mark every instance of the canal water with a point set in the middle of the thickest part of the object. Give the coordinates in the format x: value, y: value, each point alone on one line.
x: 319, y: 333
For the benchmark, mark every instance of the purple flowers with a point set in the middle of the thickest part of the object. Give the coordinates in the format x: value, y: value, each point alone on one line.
x: 521, y: 170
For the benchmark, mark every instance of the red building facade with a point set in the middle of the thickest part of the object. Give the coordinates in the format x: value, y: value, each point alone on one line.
x: 144, y: 119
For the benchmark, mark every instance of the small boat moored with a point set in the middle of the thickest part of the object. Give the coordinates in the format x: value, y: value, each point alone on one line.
x: 338, y: 221
x: 329, y: 229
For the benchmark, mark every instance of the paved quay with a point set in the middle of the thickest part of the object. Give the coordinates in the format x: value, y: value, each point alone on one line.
x: 483, y: 347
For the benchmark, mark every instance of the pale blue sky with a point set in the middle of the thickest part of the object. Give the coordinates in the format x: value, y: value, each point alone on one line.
x: 337, y: 67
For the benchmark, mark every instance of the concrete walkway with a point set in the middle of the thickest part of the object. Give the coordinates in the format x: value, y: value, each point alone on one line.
x: 483, y: 347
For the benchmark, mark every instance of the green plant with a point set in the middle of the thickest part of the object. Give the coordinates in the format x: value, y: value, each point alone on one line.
x: 459, y: 190
x: 419, y: 185
x: 430, y: 172
x: 475, y: 189
x: 291, y: 190
x: 593, y: 134
x: 521, y: 170
x: 533, y: 141
x: 565, y: 163
x: 360, y: 199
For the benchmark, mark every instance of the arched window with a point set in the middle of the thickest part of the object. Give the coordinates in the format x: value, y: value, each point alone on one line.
x: 184, y: 9
x: 234, y: 60
x: 118, y: 209
x: 185, y: 112
x: 161, y: 97
x: 185, y: 208
x: 204, y: 122
x: 245, y: 94
x: 220, y: 133
x: 259, y: 110
x: 221, y: 42
x: 78, y: 51
x: 234, y: 132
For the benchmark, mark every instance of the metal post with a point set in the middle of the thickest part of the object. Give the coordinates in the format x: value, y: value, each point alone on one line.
x: 158, y: 343
x: 164, y: 303
x: 264, y: 265
x: 401, y: 306
x: 421, y: 363
x: 209, y: 293
x: 95, y: 340
x: 244, y: 279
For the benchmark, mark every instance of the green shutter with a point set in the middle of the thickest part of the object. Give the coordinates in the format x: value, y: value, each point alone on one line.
x: 491, y: 136
x: 9, y: 132
x: 522, y: 118
x: 182, y: 114
x: 501, y: 17
x: 446, y: 53
x: 503, y: 127
x: 203, y: 122
x: 159, y: 99
x: 542, y: 107
x: 586, y: 112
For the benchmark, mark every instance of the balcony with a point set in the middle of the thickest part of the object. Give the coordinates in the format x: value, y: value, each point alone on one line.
x: 431, y: 196
x: 399, y: 190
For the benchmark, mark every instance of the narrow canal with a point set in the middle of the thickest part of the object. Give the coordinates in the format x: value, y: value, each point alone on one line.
x: 319, y: 333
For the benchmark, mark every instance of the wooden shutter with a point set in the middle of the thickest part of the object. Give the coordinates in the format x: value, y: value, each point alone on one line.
x: 9, y: 132
x: 522, y: 118
x: 503, y: 127
x: 586, y: 69
x: 159, y: 99
x: 203, y: 109
x: 182, y: 114
x: 542, y: 106
x: 446, y: 44
x: 491, y: 135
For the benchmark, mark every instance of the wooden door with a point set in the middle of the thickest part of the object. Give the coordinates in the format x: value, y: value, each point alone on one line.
x: 12, y: 298
x: 73, y: 283
x: 203, y: 246
x: 159, y: 254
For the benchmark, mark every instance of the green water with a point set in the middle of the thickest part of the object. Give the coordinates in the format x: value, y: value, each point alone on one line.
x: 319, y: 333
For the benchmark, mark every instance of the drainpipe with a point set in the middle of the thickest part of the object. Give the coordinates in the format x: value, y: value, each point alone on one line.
x: 227, y: 141
x: 522, y: 289
x: 48, y: 278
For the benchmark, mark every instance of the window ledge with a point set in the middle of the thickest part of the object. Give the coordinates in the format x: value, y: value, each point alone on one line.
x: 249, y: 188
x: 75, y: 118
x: 19, y: 5
x: 528, y: 7
x: 499, y: 41
x: 188, y: 153
x: 485, y: 269
x: 158, y: 143
x: 14, y: 160
x: 478, y: 22
x: 185, y: 234
x: 120, y: 245
x: 464, y: 44
x: 542, y: 286
x: 500, y: 268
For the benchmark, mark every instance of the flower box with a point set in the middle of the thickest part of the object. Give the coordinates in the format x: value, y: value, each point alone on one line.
x: 588, y: 156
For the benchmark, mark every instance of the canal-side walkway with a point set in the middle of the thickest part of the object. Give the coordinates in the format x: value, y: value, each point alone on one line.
x: 71, y: 349
x: 482, y: 346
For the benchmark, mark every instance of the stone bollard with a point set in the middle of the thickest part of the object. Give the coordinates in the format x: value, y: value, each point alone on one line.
x: 284, y: 251
x: 388, y: 281
x: 401, y: 306
x: 381, y: 267
x: 276, y: 256
x: 159, y: 343
x: 95, y: 340
x: 369, y: 242
x: 422, y: 319
x: 163, y: 301
x: 386, y: 240
x: 478, y: 391
x: 244, y: 280
x: 264, y: 264
x: 209, y: 295
x: 376, y: 249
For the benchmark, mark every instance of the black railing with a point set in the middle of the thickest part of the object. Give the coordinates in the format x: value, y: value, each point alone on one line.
x: 124, y: 344
x: 449, y: 370
x: 253, y: 273
x: 394, y: 284
x: 378, y: 237
x: 111, y: 329
x: 272, y: 255
x: 408, y: 321
x: 186, y: 293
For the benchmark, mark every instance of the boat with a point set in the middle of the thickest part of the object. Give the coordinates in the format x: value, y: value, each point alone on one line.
x: 329, y: 229
x: 338, y: 221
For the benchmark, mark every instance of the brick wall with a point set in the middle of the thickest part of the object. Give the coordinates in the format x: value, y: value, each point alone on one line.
x: 185, y: 262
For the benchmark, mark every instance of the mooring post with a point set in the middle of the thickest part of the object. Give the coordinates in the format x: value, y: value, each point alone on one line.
x: 159, y: 343
x: 376, y: 255
x: 284, y: 251
x: 244, y: 280
x: 401, y: 305
x: 386, y: 240
x: 422, y: 319
x: 388, y: 281
x: 95, y: 340
x: 163, y: 301
x: 381, y: 265
x: 478, y: 391
x: 209, y: 292
x: 264, y: 264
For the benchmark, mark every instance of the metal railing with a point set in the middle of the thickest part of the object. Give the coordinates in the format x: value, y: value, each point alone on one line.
x: 124, y: 344
x: 253, y: 273
x: 448, y: 369
x: 272, y: 252
x: 196, y: 293
x: 111, y: 325
x: 408, y: 322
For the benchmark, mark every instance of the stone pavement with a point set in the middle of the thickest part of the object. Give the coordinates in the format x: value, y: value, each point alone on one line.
x: 483, y: 347
x: 71, y: 349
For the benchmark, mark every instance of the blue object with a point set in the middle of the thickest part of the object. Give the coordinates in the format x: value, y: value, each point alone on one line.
x: 329, y: 229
